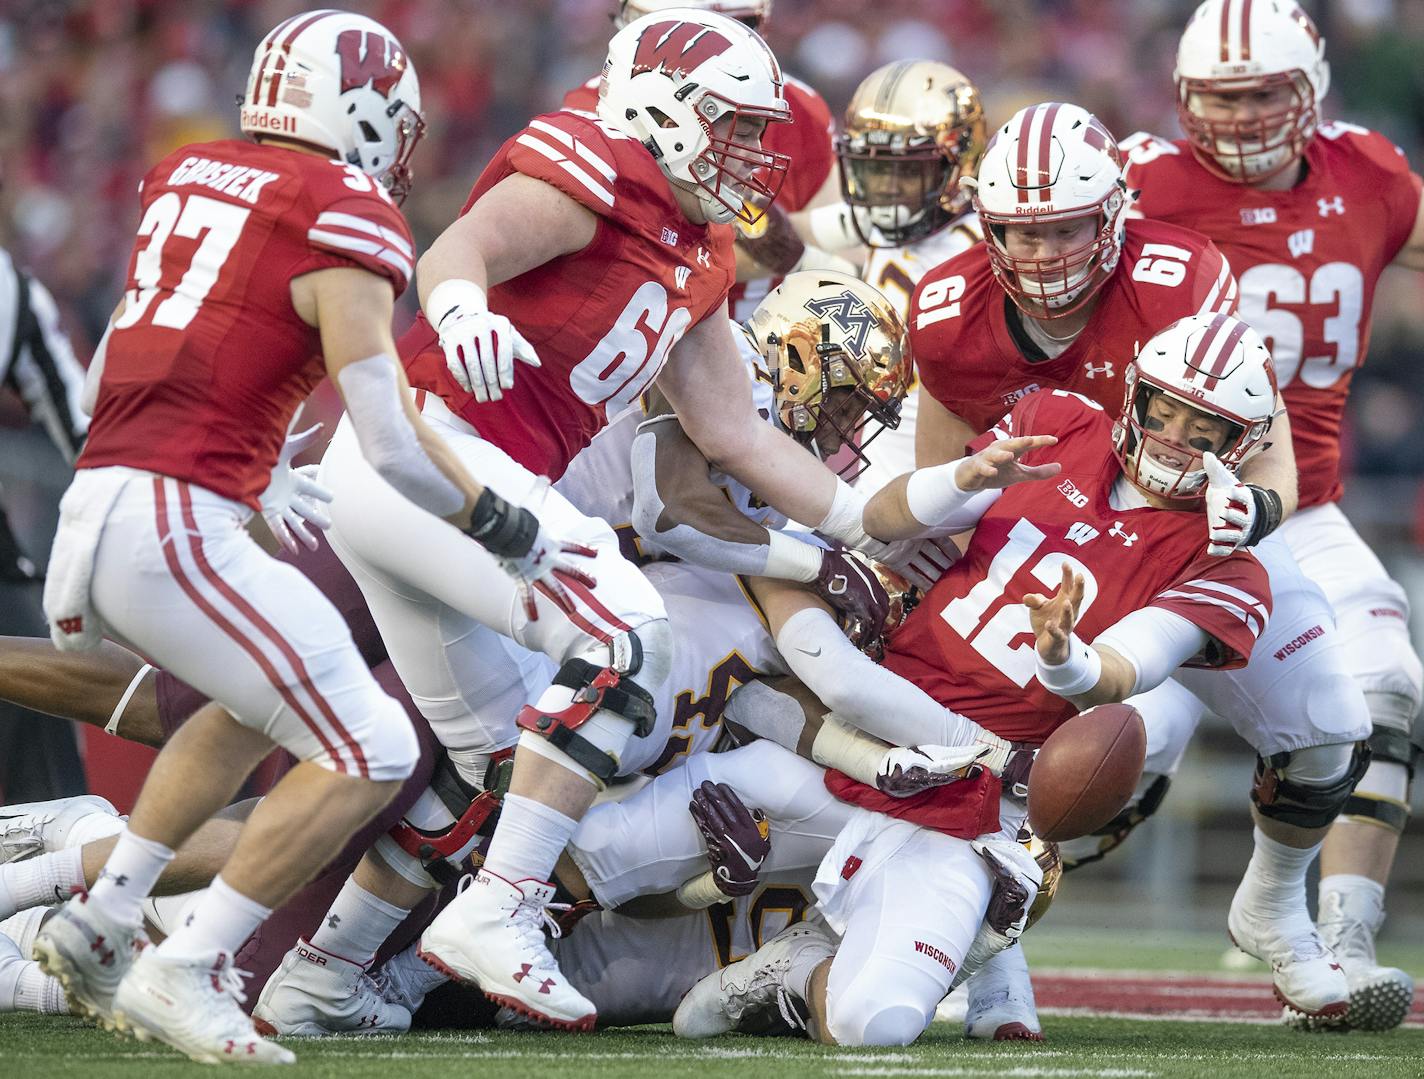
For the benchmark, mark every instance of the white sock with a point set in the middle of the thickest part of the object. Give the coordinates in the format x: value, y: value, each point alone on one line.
x: 357, y: 924
x: 1275, y: 877
x: 528, y: 841
x: 48, y: 878
x: 128, y: 876
x: 221, y: 922
x: 36, y: 991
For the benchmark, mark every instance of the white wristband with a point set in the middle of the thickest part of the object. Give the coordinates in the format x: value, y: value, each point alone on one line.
x: 791, y: 560
x: 1077, y: 674
x: 932, y: 494
x: 845, y: 520
x: 451, y: 294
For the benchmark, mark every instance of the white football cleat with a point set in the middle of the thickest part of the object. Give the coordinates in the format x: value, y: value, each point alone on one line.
x: 492, y: 936
x: 1307, y: 978
x: 406, y: 979
x: 1380, y: 997
x: 194, y: 1005
x: 90, y: 955
x: 1000, y: 1005
x: 314, y: 993
x: 739, y: 996
x: 28, y: 829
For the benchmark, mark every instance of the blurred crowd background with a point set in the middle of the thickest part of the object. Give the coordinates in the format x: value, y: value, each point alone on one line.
x: 92, y: 93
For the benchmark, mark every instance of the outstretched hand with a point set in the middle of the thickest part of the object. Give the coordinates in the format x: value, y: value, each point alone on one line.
x: 998, y: 464
x: 1053, y: 619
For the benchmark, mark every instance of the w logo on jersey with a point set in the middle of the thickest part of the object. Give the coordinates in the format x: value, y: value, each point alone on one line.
x: 677, y: 47
x: 367, y: 57
x: 1301, y: 243
x: 851, y: 317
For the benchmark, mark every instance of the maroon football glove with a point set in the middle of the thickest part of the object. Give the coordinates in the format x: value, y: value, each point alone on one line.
x: 738, y: 839
x: 856, y: 593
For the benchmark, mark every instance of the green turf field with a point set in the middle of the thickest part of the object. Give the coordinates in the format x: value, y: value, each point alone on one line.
x: 43, y: 1047
x: 31, y: 1046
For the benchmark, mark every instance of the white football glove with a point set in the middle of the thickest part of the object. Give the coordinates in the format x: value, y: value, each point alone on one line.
x: 293, y: 499
x: 1230, y: 509
x: 921, y: 561
x: 480, y: 346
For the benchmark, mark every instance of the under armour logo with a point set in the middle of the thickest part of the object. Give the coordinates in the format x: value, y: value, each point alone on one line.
x: 525, y: 969
x: 705, y: 259
x: 681, y: 274
x: 71, y: 625
x: 1331, y: 206
x: 1128, y: 538
x: 119, y: 879
x: 1302, y: 242
x: 1080, y: 532
x: 333, y: 921
x: 1104, y: 369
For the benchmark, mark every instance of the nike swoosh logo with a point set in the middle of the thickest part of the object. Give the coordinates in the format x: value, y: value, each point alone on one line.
x: 808, y: 652
x: 750, y: 862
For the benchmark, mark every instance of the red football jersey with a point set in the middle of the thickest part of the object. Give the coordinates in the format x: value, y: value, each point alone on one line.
x: 209, y: 361
x: 967, y: 355
x: 969, y: 644
x: 1307, y: 260
x: 602, y: 319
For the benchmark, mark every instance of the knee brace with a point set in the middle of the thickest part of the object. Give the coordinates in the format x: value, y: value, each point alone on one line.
x: 1383, y: 795
x: 1092, y: 848
x: 434, y: 855
x: 1289, y: 787
x: 596, y: 691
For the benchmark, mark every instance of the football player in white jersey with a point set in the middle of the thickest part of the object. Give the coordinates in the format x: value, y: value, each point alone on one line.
x: 913, y: 129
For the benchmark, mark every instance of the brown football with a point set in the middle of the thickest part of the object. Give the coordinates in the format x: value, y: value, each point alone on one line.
x: 1086, y: 772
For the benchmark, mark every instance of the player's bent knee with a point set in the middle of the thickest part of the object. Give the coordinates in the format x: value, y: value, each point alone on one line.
x: 859, y: 1019
x: 1307, y: 788
x: 590, y: 713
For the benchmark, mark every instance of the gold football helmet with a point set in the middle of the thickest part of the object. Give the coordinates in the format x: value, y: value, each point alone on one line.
x: 913, y: 129
x: 839, y: 360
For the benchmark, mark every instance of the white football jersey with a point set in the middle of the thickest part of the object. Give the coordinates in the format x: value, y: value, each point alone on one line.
x: 896, y: 271
x: 599, y: 481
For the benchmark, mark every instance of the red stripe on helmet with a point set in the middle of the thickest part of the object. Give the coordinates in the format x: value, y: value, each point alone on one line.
x: 269, y: 41
x: 286, y: 47
x: 1045, y: 145
x: 1021, y: 177
x: 1194, y: 362
x: 1225, y: 31
x: 1246, y: 29
x: 1223, y: 354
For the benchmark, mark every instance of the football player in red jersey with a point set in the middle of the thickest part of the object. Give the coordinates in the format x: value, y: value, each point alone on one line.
x: 1050, y: 196
x: 1115, y: 526
x: 594, y: 250
x: 1309, y: 214
x: 782, y: 240
x: 259, y: 267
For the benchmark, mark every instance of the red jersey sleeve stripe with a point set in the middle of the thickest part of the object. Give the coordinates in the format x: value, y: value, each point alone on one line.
x: 360, y: 224
x: 579, y: 147
x: 1186, y: 600
x: 1222, y: 588
x: 1222, y: 294
x: 595, y: 187
x: 343, y: 242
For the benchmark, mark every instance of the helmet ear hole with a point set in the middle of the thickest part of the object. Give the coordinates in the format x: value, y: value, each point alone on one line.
x: 368, y: 132
x: 794, y: 361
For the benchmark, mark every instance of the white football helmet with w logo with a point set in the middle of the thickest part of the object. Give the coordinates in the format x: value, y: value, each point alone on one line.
x: 697, y: 89
x: 338, y: 82
x: 1215, y: 364
x: 1237, y: 47
x: 1051, y: 163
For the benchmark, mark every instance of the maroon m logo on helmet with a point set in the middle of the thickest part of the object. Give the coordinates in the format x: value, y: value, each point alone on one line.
x: 677, y: 47
x: 367, y: 57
